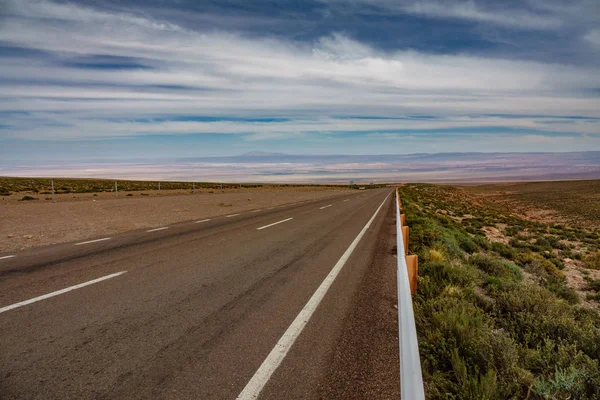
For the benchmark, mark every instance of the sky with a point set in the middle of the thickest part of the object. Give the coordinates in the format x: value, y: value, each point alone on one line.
x: 131, y: 79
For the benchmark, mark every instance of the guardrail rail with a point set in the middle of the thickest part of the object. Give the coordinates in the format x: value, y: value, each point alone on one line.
x: 411, y: 378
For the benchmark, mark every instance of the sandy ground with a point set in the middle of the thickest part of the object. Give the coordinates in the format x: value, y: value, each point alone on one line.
x: 25, y: 224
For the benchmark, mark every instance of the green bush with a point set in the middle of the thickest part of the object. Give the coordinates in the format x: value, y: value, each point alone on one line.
x: 504, y: 250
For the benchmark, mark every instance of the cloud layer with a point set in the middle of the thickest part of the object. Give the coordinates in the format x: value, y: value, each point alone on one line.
x: 76, y: 72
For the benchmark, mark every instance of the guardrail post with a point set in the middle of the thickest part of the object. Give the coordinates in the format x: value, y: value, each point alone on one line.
x: 405, y: 237
x: 412, y: 266
x: 403, y: 219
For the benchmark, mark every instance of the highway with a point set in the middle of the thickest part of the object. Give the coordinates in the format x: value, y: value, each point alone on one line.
x: 292, y: 302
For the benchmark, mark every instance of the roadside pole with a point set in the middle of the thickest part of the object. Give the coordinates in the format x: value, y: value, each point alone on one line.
x: 53, y: 190
x: 193, y: 188
x: 158, y: 187
x: 116, y: 190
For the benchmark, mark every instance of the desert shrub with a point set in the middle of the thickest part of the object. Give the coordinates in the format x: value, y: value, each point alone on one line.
x: 482, y: 242
x: 467, y: 244
x: 538, y: 265
x: 563, y: 291
x: 457, y: 336
x: 503, y: 250
x: 593, y: 296
x: 594, y: 284
x: 497, y: 267
x: 592, y: 261
x: 434, y: 255
x: 472, y: 230
x: 566, y: 384
x: 129, y: 194
x: 28, y: 198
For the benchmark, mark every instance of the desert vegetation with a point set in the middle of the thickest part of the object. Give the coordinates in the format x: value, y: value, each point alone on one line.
x: 498, y: 313
x: 43, y: 186
x: 574, y: 201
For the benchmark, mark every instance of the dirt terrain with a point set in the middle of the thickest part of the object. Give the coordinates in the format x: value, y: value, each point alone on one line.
x: 573, y: 202
x: 79, y: 216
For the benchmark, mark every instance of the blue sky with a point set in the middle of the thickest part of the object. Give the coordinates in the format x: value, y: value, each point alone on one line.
x: 98, y: 80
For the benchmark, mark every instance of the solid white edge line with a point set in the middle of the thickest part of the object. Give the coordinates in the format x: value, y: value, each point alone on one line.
x: 231, y: 215
x: 276, y: 356
x: 204, y: 220
x: 324, y: 207
x: 256, y: 211
x: 46, y: 296
x: 275, y: 223
x: 158, y: 229
x: 5, y: 257
x: 92, y: 241
x: 345, y: 200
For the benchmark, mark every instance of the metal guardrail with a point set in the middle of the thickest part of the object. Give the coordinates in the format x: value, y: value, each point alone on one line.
x: 411, y: 378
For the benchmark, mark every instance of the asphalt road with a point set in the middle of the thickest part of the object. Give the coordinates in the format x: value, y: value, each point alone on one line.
x: 291, y: 302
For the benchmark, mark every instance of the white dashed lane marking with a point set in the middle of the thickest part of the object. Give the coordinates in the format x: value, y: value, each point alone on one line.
x: 274, y: 223
x: 158, y: 229
x: 92, y: 241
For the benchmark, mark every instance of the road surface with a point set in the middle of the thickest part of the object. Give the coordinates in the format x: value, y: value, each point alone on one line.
x: 290, y: 302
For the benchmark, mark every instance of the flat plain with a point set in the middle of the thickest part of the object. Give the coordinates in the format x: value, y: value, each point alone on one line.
x: 82, y: 212
x: 577, y: 202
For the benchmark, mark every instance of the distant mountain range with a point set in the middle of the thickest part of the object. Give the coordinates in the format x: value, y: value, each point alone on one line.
x: 258, y: 166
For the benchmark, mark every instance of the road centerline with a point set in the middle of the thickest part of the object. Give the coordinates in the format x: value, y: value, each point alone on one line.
x: 5, y: 257
x: 58, y: 292
x: 324, y: 207
x: 231, y: 215
x: 274, y: 223
x: 258, y: 381
x: 201, y: 221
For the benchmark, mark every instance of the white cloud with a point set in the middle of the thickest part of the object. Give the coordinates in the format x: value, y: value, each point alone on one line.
x: 231, y: 75
x: 593, y: 37
x: 470, y: 11
x: 464, y: 10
